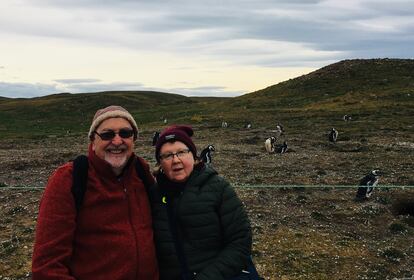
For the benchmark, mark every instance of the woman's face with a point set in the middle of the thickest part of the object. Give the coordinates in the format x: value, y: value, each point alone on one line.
x: 177, y: 161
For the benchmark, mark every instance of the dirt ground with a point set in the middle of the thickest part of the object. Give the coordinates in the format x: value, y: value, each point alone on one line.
x: 306, y: 224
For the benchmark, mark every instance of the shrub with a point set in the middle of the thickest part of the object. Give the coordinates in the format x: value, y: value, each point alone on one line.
x: 197, y: 118
x: 409, y: 220
x: 398, y: 228
x: 392, y: 255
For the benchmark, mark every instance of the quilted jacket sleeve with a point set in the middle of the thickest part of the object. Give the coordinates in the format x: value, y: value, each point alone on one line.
x: 237, y: 238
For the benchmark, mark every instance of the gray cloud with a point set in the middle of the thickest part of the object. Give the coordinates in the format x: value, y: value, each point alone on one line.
x: 336, y: 26
x: 206, y: 91
x: 82, y: 87
x: 77, y: 81
x: 270, y: 33
x: 27, y: 90
x: 187, y: 91
x: 24, y: 90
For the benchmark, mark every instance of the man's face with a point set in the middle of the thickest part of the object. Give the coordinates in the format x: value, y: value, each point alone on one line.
x: 115, y: 151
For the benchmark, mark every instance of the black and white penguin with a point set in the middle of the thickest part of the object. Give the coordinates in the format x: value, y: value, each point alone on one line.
x: 279, y: 130
x: 270, y: 144
x: 333, y: 135
x: 206, y: 154
x: 367, y: 185
x: 282, y: 148
x: 155, y: 137
x: 347, y: 118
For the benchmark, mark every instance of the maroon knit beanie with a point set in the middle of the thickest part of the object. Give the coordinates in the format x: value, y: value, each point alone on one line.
x: 174, y: 133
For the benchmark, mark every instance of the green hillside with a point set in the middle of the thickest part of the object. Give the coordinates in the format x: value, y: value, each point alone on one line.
x: 377, y: 90
x: 335, y: 84
x: 59, y: 113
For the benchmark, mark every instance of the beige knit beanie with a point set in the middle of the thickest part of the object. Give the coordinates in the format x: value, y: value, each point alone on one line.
x: 112, y: 111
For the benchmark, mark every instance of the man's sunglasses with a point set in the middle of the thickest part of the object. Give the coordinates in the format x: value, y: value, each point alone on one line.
x: 110, y: 134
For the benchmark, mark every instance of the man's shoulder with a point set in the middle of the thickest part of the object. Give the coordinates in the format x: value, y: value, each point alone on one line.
x: 62, y: 173
x: 60, y: 181
x: 63, y: 169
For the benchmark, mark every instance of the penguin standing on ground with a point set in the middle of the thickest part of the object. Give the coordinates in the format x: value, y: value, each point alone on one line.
x: 206, y: 154
x: 367, y: 185
x: 347, y: 118
x: 282, y: 148
x: 155, y: 137
x: 270, y: 144
x: 279, y: 130
x: 333, y: 135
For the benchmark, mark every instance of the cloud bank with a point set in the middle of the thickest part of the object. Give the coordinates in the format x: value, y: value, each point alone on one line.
x: 248, y: 33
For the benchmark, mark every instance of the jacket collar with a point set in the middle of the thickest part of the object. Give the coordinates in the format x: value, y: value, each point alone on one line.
x: 201, y: 173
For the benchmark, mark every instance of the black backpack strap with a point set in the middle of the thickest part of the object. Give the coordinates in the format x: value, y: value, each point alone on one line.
x: 79, y: 179
x: 141, y: 173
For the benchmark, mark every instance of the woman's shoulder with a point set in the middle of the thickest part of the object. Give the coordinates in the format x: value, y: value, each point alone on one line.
x: 211, y: 180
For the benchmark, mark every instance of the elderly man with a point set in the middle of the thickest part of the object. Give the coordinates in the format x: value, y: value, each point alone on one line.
x: 110, y: 236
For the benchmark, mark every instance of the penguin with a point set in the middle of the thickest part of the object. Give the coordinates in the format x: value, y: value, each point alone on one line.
x: 279, y: 130
x: 270, y: 144
x: 347, y: 118
x: 367, y: 185
x: 282, y: 148
x: 333, y: 135
x: 155, y: 137
x: 206, y: 154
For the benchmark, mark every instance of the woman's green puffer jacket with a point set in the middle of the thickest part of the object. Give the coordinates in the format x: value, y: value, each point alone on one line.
x: 211, y: 222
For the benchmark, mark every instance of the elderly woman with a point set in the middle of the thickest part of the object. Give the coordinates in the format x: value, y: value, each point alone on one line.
x: 201, y: 229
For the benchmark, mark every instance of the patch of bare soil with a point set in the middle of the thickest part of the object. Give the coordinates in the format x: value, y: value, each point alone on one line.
x: 312, y: 232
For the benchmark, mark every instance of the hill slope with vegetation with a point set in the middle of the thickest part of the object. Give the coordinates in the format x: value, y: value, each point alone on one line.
x: 381, y: 89
x: 348, y: 84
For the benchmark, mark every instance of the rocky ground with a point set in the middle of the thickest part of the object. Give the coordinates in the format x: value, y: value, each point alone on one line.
x: 310, y: 231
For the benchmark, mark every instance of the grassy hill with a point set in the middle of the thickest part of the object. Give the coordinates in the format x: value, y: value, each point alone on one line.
x: 377, y: 90
x: 58, y: 113
x: 374, y: 88
x: 342, y: 86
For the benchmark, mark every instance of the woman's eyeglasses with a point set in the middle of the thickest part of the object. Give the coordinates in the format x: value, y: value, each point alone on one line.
x: 110, y: 134
x: 170, y: 156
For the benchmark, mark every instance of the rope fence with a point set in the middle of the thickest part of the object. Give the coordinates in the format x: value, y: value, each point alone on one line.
x: 41, y: 188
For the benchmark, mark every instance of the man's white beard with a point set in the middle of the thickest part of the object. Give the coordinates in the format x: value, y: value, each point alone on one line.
x: 116, y: 161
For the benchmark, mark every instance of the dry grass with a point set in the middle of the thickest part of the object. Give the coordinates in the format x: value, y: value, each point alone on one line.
x: 299, y: 233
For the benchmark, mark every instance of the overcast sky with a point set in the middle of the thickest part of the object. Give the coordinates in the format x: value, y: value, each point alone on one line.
x: 209, y: 47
